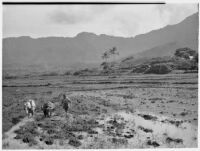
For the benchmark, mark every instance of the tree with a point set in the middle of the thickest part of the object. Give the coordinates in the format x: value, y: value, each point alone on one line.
x: 113, y: 52
x: 105, y: 56
x: 185, y: 53
x: 186, y: 59
x: 105, y: 66
x: 183, y: 64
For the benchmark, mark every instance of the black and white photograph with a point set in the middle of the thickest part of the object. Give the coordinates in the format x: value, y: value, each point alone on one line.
x: 99, y: 75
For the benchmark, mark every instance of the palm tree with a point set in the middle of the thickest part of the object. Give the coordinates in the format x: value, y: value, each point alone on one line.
x: 105, y: 56
x: 113, y: 52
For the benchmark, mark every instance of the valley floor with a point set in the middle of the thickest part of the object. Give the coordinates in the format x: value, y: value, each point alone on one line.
x: 136, y: 111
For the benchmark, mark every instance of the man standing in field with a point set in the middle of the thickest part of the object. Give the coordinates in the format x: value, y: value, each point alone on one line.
x: 65, y: 101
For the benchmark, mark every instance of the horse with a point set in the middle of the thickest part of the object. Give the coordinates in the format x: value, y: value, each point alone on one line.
x: 30, y: 107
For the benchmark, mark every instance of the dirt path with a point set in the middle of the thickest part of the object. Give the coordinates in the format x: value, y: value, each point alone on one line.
x: 9, y: 142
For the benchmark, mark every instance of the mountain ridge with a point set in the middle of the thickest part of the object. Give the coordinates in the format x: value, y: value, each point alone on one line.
x: 84, y: 32
x: 88, y: 47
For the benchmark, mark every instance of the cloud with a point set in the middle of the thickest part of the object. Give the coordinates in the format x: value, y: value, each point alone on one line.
x: 174, y: 13
x: 62, y: 17
x: 69, y: 20
x: 66, y: 18
x: 75, y: 14
x: 130, y: 20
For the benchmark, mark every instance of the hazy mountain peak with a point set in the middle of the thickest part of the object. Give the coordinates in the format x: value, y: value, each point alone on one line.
x: 88, y: 47
x: 86, y: 34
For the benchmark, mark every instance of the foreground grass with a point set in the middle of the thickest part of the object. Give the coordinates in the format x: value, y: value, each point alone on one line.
x: 49, y: 130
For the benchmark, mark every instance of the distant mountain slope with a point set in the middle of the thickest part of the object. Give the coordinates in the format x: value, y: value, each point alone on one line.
x: 88, y: 47
x: 160, y: 51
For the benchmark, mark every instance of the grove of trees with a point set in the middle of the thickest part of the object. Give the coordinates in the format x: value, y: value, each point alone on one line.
x: 110, y: 54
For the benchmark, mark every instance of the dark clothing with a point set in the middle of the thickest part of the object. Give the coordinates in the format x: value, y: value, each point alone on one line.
x: 65, y: 104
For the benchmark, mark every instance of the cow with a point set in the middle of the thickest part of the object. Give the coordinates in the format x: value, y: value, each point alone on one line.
x: 48, y: 108
x: 65, y: 101
x: 29, y: 107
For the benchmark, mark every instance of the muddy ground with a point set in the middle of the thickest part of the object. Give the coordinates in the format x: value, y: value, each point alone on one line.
x: 135, y: 111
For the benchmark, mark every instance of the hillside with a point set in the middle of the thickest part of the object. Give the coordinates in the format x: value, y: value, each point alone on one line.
x: 87, y: 48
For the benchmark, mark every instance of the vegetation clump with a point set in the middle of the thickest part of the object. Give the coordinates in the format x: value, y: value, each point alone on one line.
x: 186, y: 53
x: 148, y: 117
x: 28, y: 133
x: 49, y: 141
x: 158, y: 69
x: 140, y: 68
x: 176, y: 140
x: 74, y: 142
x: 146, y: 130
x: 86, y: 71
x: 50, y: 74
x: 152, y: 143
x: 119, y: 141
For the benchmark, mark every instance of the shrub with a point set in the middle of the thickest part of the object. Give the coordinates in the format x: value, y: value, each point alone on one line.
x: 119, y: 141
x: 77, y: 73
x: 80, y: 137
x: 16, y: 120
x: 145, y: 129
x: 185, y: 53
x: 152, y: 143
x: 28, y: 133
x: 159, y: 69
x: 182, y: 64
x: 107, y: 67
x: 49, y: 141
x: 9, y: 77
x: 67, y: 73
x: 86, y: 71
x: 141, y: 68
x: 74, y: 142
x: 176, y: 140
x: 27, y: 138
x: 50, y: 74
x: 148, y: 117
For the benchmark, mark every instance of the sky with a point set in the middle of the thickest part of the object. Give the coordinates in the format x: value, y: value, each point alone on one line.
x: 69, y: 20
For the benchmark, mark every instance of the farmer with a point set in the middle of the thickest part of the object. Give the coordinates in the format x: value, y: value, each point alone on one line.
x: 65, y: 102
x: 29, y: 107
x: 48, y: 108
